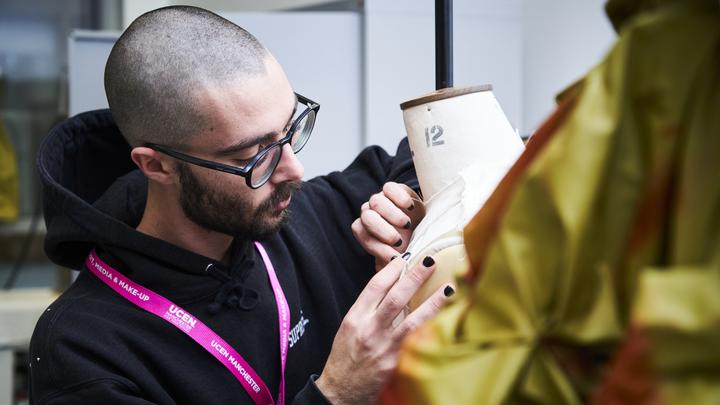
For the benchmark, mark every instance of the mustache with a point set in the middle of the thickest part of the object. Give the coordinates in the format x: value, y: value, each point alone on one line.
x: 282, y: 192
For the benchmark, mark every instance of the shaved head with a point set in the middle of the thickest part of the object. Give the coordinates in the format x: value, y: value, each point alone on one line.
x: 162, y: 64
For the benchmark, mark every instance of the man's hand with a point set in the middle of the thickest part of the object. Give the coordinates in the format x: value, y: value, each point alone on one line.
x: 365, y: 349
x: 387, y: 221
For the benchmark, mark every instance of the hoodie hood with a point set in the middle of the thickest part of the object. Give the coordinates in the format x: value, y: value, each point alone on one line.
x: 78, y: 162
x: 94, y: 195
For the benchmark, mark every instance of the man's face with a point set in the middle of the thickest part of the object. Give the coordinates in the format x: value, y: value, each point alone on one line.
x: 240, y: 115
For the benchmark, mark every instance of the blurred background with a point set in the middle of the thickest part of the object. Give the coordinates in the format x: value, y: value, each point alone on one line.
x: 358, y: 59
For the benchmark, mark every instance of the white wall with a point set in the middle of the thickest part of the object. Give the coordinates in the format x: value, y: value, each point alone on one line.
x: 400, y: 57
x: 562, y: 40
x: 132, y: 9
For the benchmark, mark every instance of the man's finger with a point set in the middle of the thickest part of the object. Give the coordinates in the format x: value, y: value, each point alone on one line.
x: 401, y: 195
x: 428, y: 309
x: 378, y: 286
x: 380, y: 229
x: 404, y: 197
x: 389, y: 211
x: 380, y: 250
x: 399, y: 295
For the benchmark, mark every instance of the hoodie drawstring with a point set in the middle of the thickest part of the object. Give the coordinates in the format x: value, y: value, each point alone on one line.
x: 232, y: 294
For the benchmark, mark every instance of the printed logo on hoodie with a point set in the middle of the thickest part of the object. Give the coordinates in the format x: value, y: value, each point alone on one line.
x: 298, y: 330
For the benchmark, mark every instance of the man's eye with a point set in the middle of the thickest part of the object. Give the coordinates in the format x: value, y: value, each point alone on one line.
x: 247, y: 155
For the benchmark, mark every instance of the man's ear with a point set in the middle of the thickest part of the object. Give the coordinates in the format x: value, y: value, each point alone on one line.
x: 154, y: 165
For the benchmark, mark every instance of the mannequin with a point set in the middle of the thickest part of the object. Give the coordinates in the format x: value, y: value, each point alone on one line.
x: 462, y: 146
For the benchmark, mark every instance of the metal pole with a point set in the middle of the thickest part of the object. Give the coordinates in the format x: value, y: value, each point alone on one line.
x: 443, y: 44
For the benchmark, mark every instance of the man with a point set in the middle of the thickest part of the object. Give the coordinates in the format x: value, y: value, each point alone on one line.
x: 176, y: 303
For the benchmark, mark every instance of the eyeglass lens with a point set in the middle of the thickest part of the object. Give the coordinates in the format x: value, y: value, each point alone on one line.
x: 302, y: 131
x: 265, y: 166
x: 268, y: 162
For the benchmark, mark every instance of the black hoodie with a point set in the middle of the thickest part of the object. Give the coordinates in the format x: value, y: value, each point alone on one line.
x: 93, y: 345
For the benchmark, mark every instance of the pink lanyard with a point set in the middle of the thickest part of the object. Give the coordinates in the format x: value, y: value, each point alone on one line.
x: 198, y: 331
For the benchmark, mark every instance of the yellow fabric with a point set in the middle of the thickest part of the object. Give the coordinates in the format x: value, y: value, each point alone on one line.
x: 614, y: 221
x: 9, y: 200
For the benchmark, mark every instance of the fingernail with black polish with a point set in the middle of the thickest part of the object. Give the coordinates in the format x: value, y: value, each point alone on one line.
x: 449, y: 291
x: 408, y: 225
x: 398, y: 243
x: 406, y: 256
x: 393, y: 258
x: 428, y: 261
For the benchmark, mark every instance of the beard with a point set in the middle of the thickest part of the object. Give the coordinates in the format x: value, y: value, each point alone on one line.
x: 233, y: 213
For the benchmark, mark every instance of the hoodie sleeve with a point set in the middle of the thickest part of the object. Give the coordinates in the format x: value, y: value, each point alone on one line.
x: 339, y: 195
x: 367, y: 174
x: 311, y: 394
x: 331, y: 203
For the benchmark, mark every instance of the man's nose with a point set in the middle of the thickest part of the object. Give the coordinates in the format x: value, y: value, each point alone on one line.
x: 289, y: 167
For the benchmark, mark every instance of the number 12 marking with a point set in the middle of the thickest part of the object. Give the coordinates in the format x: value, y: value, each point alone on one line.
x: 432, y: 136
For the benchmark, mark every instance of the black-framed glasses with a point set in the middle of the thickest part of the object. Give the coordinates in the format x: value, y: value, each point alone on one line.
x: 261, y: 166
